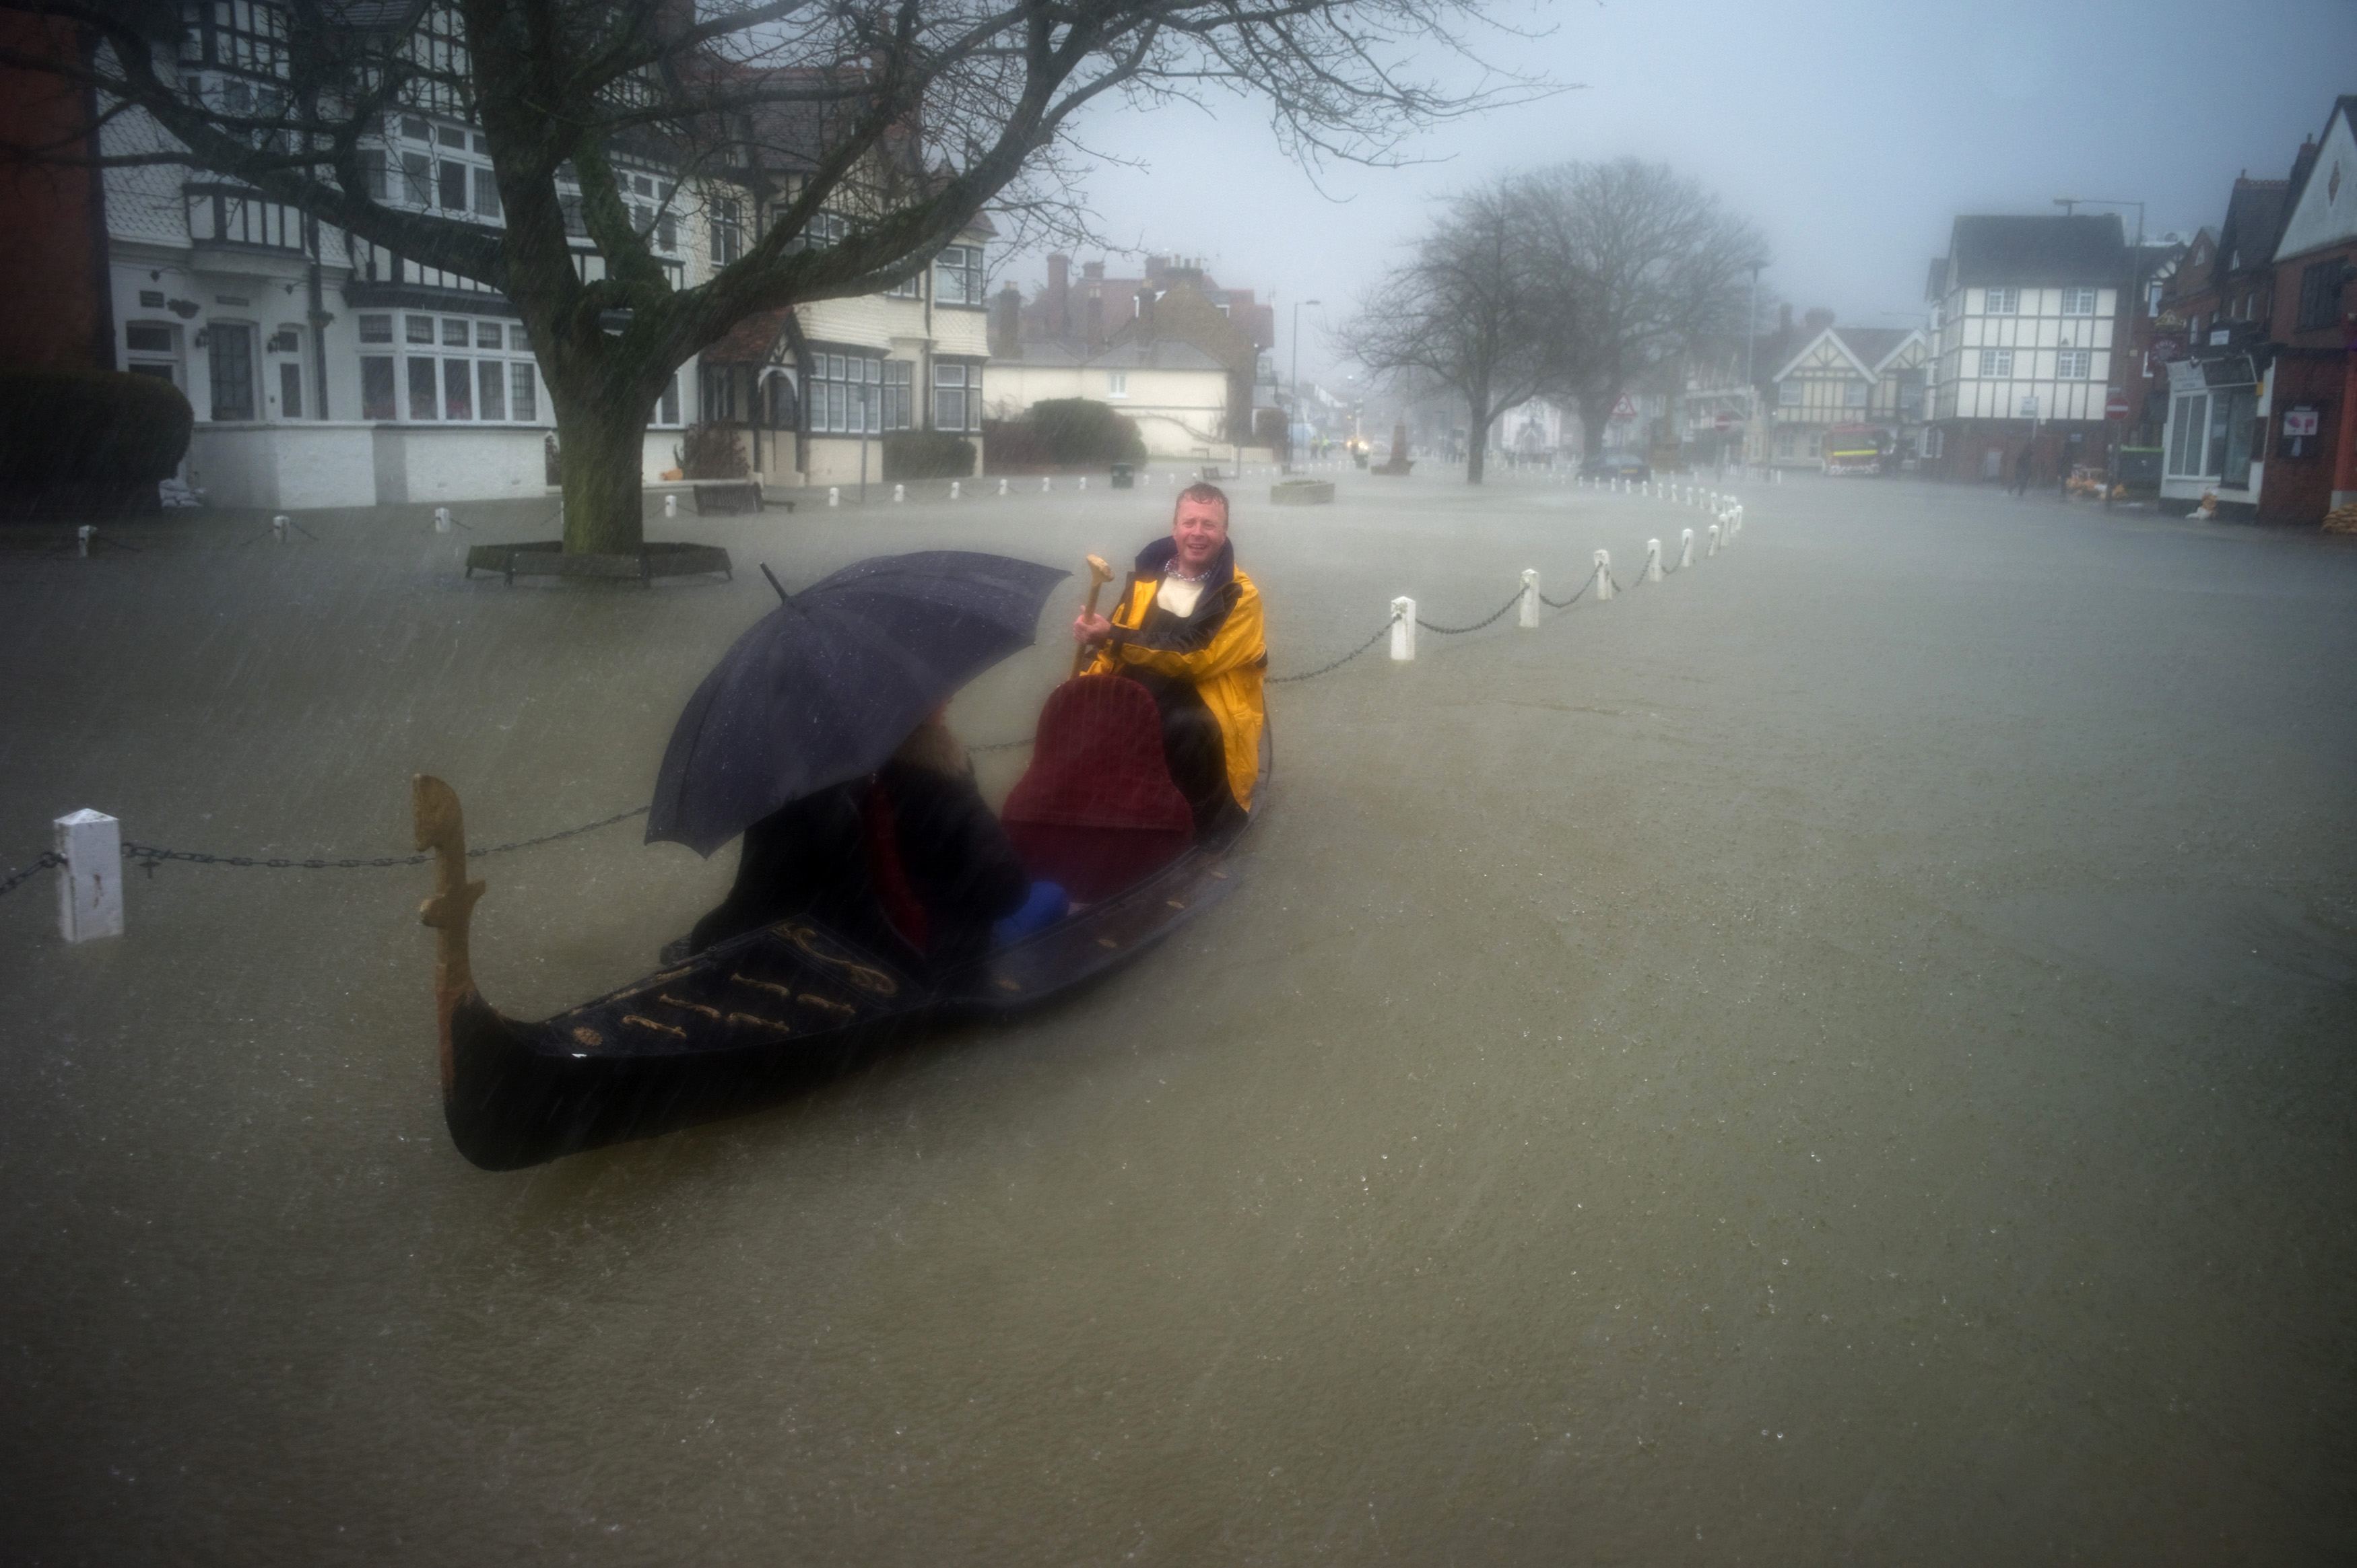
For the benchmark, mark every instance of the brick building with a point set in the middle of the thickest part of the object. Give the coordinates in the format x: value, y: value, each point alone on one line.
x: 52, y: 219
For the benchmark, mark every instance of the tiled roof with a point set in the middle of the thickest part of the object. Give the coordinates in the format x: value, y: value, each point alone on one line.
x: 750, y: 342
x: 2077, y: 248
x: 1871, y: 344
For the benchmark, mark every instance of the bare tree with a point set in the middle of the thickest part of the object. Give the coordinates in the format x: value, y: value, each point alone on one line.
x: 896, y: 122
x: 1640, y: 263
x: 1461, y: 315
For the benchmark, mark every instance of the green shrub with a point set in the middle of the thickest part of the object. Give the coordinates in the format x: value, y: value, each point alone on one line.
x: 710, y: 452
x: 1077, y: 433
x: 65, y: 426
x: 927, y: 454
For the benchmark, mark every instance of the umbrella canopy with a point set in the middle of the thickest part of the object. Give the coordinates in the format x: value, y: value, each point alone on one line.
x: 826, y: 686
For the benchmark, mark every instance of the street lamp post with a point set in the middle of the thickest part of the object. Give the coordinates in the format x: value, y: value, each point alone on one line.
x: 2135, y: 302
x: 1750, y: 383
x: 1294, y: 414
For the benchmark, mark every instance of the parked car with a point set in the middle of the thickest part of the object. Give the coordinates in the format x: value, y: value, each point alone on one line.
x: 1616, y: 466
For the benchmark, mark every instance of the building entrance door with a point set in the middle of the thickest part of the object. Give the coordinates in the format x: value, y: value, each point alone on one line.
x: 232, y: 351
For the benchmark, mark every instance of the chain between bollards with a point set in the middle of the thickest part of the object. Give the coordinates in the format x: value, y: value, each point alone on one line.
x: 49, y: 859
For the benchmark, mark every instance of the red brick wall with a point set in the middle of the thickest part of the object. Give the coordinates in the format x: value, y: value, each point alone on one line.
x: 53, y: 308
x: 2300, y: 489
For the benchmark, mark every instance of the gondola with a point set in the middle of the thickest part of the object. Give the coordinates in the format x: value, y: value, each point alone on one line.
x: 748, y: 1021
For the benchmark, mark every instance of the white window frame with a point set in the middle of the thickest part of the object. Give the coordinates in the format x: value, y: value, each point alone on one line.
x: 1997, y: 364
x: 1116, y: 383
x: 2078, y: 301
x: 957, y: 275
x: 2001, y: 302
x: 1789, y: 394
x: 2074, y: 364
x: 457, y: 340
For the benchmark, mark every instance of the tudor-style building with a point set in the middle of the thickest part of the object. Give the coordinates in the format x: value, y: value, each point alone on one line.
x: 1847, y: 375
x: 2024, y: 316
x: 326, y: 371
x: 2311, y: 428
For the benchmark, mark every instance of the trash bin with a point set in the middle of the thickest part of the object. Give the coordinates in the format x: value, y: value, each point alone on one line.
x: 1124, y: 477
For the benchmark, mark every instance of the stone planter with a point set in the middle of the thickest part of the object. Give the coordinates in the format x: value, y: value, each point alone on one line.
x: 1301, y: 492
x: 546, y: 558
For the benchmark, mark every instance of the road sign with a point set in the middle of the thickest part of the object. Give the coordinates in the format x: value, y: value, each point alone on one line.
x: 2116, y: 403
x: 2029, y: 406
x: 1726, y: 419
x: 1626, y: 408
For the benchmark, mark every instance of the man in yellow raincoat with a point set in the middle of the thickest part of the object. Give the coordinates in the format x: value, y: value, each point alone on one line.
x: 1188, y: 629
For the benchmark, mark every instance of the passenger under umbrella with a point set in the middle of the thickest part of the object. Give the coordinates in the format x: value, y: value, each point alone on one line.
x: 907, y: 861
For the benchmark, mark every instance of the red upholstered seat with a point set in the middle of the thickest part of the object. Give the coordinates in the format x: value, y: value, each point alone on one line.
x: 1096, y: 810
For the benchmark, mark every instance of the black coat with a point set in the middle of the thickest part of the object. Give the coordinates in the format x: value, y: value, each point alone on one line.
x: 810, y: 858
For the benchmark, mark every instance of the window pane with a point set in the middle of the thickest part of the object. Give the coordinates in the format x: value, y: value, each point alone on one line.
x: 421, y: 389
x: 458, y: 389
x: 522, y: 395
x: 487, y: 194
x: 417, y: 180
x: 668, y: 411
x: 2215, y: 458
x: 147, y: 339
x: 290, y: 390
x: 376, y: 388
x: 420, y: 328
x: 455, y: 333
x: 487, y: 335
x: 491, y: 376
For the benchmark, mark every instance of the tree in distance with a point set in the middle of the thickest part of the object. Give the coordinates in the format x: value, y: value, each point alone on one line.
x: 865, y: 134
x: 1573, y: 282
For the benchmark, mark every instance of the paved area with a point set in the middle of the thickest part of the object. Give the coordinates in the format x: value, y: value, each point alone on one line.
x: 1842, y: 1053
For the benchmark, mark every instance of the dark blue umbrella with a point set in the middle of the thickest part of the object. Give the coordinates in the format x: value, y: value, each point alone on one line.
x: 826, y: 686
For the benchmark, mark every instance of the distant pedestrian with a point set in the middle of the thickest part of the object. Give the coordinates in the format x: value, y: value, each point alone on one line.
x: 2021, y: 472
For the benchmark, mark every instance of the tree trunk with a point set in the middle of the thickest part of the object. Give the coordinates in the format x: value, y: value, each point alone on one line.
x: 1595, y: 411
x: 601, y: 442
x: 1477, y: 439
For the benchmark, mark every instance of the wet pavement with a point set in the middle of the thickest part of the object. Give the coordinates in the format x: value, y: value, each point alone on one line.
x: 1843, y: 1054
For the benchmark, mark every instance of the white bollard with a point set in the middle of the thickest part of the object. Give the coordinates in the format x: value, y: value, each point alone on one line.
x: 1652, y: 560
x: 82, y: 538
x: 1530, y: 613
x: 441, y: 520
x: 899, y: 492
x: 1084, y: 481
x: 1686, y: 547
x: 1603, y: 575
x: 1714, y: 540
x: 953, y: 489
x: 1002, y: 487
x: 834, y: 495
x: 89, y: 883
x: 1403, y: 629
x: 278, y: 526
x: 670, y: 504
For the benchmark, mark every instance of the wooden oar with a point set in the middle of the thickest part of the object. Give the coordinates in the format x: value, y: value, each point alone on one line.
x: 1100, y: 574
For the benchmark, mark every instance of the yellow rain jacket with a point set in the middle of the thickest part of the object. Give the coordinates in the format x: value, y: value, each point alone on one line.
x: 1219, y: 650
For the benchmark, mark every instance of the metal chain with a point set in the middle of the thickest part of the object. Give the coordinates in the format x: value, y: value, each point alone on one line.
x: 1576, y: 592
x: 1477, y: 625
x: 1338, y: 663
x: 17, y: 879
x: 152, y: 855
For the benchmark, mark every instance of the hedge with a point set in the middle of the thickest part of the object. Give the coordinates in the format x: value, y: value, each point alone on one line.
x: 927, y: 454
x: 81, y: 428
x: 1063, y: 432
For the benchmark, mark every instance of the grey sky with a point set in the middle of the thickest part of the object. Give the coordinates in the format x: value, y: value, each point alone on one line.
x: 1849, y: 131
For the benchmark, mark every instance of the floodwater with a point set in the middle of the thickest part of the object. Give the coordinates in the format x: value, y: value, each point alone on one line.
x: 1844, y: 1055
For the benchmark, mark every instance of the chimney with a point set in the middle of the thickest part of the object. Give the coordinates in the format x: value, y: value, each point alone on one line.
x: 1092, y: 270
x: 1817, y: 320
x: 1006, y: 324
x: 1059, y: 282
x: 1146, y: 312
x: 2302, y: 161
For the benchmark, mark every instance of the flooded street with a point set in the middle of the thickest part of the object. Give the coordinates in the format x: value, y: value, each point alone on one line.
x: 1842, y: 1055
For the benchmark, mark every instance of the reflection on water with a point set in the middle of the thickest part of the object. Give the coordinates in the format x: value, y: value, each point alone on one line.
x: 1842, y: 1053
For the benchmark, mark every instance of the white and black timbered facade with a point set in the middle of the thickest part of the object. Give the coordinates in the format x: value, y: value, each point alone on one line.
x: 2025, y: 318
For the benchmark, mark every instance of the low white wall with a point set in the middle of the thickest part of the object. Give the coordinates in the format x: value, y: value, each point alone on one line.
x: 319, y: 463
